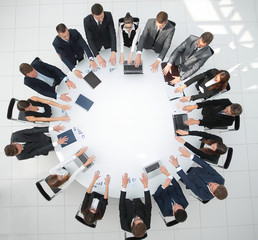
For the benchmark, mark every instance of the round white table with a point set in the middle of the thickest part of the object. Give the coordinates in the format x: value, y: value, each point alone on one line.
x: 128, y: 127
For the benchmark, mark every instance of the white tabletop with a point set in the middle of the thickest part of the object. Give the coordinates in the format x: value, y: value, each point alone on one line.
x: 128, y: 127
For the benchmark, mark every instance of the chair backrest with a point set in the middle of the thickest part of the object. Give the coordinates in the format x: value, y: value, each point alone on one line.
x: 79, y: 217
x: 228, y: 158
x: 134, y: 238
x: 173, y: 23
x: 47, y: 192
x: 10, y: 111
x: 237, y: 123
x: 136, y: 20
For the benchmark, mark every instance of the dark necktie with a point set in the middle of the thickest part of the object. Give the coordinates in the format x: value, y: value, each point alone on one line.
x: 193, y: 52
x: 99, y: 25
x: 156, y: 36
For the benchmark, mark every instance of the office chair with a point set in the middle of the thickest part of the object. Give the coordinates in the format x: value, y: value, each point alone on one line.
x: 134, y: 238
x: 10, y: 111
x: 135, y: 21
x: 79, y: 217
x: 228, y: 159
x: 215, y: 96
x: 234, y: 127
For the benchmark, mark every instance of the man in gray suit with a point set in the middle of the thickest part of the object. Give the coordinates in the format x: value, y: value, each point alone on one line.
x: 189, y: 56
x: 157, y: 35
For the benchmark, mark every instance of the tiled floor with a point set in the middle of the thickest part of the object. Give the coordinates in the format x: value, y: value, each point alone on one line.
x: 27, y: 28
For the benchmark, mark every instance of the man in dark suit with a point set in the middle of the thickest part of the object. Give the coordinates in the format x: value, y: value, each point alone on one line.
x: 135, y: 216
x: 157, y: 35
x: 70, y: 46
x: 205, y: 182
x: 33, y: 142
x: 100, y: 32
x: 189, y: 56
x: 170, y: 198
x: 216, y: 113
x: 43, y: 78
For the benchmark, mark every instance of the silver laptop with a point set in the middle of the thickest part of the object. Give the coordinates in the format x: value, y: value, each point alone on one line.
x: 131, y: 69
x: 152, y: 170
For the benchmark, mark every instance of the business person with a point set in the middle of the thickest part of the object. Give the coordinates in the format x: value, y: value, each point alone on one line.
x: 70, y: 46
x: 211, y: 148
x: 204, y: 181
x: 39, y: 109
x: 135, y: 217
x: 60, y: 178
x: 32, y: 142
x: 216, y: 113
x: 43, y: 78
x: 94, y: 204
x: 208, y: 84
x: 129, y: 34
x: 100, y: 32
x: 157, y: 35
x: 189, y: 57
x: 170, y: 198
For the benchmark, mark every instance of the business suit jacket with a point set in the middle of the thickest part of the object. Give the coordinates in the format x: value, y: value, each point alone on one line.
x: 87, y: 201
x: 201, y: 80
x: 199, y: 177
x: 98, y: 37
x: 205, y: 156
x: 36, y: 142
x: 163, y: 40
x: 163, y: 198
x: 129, y: 209
x: 49, y: 71
x: 72, y: 50
x: 187, y: 62
x: 211, y: 116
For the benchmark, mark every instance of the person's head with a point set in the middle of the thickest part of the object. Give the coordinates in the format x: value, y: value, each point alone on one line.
x: 62, y: 31
x: 55, y: 181
x: 161, y: 19
x: 97, y: 12
x: 138, y: 228
x: 219, y: 191
x: 217, y: 148
x: 179, y: 213
x: 205, y: 39
x: 27, y: 70
x: 13, y: 149
x: 24, y: 105
x: 234, y: 109
x: 221, y: 80
x: 128, y: 22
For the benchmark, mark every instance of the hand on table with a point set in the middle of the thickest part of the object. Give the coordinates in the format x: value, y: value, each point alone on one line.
x: 179, y: 139
x: 64, y: 119
x: 137, y: 60
x: 93, y: 65
x: 166, y: 69
x: 184, y: 99
x: 65, y: 107
x: 189, y: 108
x: 65, y: 98
x: 184, y: 152
x: 121, y: 59
x: 154, y: 66
x: 77, y: 73
x: 176, y: 80
x: 62, y: 140
x: 82, y: 151
x: 191, y: 121
x: 173, y: 161
x: 102, y: 62
x: 58, y: 128
x: 180, y: 89
x: 182, y: 132
x: 112, y: 59
x: 89, y: 161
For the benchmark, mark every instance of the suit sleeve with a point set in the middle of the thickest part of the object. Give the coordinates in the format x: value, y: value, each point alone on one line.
x: 223, y: 102
x: 195, y: 79
x: 207, y: 94
x: 55, y: 71
x: 158, y: 198
x: 85, y: 201
x: 84, y: 45
x: 103, y: 204
x: 206, y: 135
x: 122, y: 211
x: 148, y: 207
x: 144, y: 36
x: 197, y: 151
x: 89, y: 36
x: 112, y: 34
x: 166, y: 44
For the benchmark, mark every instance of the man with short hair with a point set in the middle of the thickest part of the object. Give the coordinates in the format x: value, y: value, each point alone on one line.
x: 43, y: 78
x: 189, y: 56
x: 216, y: 113
x: 70, y: 46
x: 135, y: 216
x: 100, y: 32
x: 157, y: 35
x: 32, y: 142
x: 170, y: 198
x: 205, y: 182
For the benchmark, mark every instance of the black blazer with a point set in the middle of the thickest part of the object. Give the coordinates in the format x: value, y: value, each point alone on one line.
x: 211, y: 116
x: 201, y: 154
x: 129, y: 209
x: 47, y: 108
x: 49, y: 71
x: 37, y: 143
x: 103, y: 36
x: 201, y: 80
x: 73, y: 50
x: 88, y: 200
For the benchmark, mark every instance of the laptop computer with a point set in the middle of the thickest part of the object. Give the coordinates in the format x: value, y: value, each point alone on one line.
x: 131, y: 69
x: 84, y: 102
x: 179, y: 120
x: 152, y: 170
x: 70, y: 135
x: 92, y: 79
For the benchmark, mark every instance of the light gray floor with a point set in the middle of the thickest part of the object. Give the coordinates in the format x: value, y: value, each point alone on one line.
x: 27, y: 28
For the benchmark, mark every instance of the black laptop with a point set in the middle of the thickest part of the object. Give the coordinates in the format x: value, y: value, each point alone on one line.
x: 131, y: 69
x: 179, y: 120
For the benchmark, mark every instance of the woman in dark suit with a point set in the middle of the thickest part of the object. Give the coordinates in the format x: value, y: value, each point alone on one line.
x: 208, y: 84
x: 94, y: 204
x: 212, y: 146
x: 38, y: 109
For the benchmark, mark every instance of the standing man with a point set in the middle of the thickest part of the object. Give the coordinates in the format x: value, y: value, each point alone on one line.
x: 170, y: 198
x: 157, y: 35
x: 70, y: 47
x: 100, y: 32
x: 135, y: 216
x: 189, y: 56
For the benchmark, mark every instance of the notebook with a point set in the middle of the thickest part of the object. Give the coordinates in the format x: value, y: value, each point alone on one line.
x: 70, y: 135
x: 179, y: 120
x: 169, y: 77
x: 131, y: 69
x: 84, y: 102
x: 152, y: 170
x: 92, y: 79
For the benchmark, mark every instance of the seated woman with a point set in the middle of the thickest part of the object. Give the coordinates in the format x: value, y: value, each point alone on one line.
x: 38, y: 109
x: 212, y: 146
x: 94, y: 204
x: 208, y: 84
x: 129, y: 34
x: 59, y: 176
